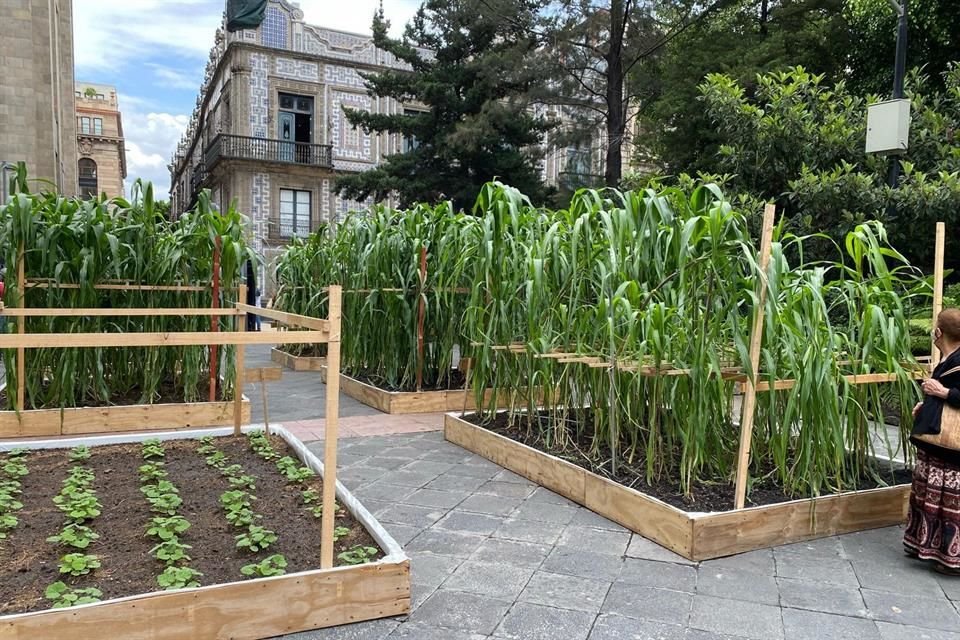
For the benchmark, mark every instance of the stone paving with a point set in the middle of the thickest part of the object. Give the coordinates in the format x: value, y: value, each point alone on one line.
x: 494, y: 556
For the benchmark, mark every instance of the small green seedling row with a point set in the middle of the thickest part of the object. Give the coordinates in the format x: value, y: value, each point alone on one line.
x: 12, y: 467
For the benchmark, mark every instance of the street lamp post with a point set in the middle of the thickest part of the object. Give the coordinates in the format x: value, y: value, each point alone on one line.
x: 899, y: 71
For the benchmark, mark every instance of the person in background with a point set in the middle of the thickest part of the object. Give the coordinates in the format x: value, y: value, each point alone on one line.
x: 253, y: 298
x: 933, y: 520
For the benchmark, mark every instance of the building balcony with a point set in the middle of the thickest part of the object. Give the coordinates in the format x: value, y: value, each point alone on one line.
x: 573, y: 180
x: 227, y: 146
x: 197, y: 177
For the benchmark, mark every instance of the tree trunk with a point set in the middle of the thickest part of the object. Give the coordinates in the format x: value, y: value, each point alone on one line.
x: 616, y: 110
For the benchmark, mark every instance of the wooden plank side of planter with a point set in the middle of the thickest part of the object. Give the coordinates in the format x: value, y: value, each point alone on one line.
x: 723, y: 534
x: 297, y: 363
x: 551, y: 472
x: 248, y: 610
x: 140, y: 417
x: 666, y: 525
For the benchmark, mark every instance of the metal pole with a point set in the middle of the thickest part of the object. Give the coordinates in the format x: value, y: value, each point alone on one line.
x: 899, y: 71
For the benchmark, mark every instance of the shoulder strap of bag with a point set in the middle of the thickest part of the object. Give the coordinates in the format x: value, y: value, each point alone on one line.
x: 949, y: 371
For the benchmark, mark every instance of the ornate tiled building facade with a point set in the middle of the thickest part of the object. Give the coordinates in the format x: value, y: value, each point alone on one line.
x: 269, y: 134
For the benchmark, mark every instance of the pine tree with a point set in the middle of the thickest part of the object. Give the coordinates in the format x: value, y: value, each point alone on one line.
x: 467, y: 117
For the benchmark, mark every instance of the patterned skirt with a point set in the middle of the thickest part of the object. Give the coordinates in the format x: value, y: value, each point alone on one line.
x: 933, y: 521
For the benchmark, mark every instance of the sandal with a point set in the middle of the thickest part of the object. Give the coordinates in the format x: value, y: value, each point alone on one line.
x: 947, y: 571
x: 910, y: 553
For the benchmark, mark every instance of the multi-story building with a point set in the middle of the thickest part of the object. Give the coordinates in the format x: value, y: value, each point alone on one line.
x: 37, y: 123
x: 102, y: 161
x: 268, y: 132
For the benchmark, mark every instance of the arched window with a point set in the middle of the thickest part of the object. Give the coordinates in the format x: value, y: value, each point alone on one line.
x: 87, y: 172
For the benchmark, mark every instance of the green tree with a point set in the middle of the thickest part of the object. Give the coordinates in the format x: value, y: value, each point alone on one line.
x: 468, y: 84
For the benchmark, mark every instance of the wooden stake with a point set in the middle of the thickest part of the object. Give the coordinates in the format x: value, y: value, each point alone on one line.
x: 21, y: 329
x: 421, y: 313
x: 935, y: 354
x: 756, y: 335
x: 263, y: 395
x: 241, y: 326
x: 327, y: 520
x: 214, y: 321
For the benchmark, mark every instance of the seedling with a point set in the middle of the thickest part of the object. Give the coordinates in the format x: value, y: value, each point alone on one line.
x: 7, y: 522
x: 317, y: 511
x: 242, y: 517
x: 340, y: 532
x: 358, y: 554
x: 79, y: 453
x: 178, y: 578
x: 232, y: 470
x: 243, y: 482
x: 9, y: 503
x: 152, y: 449
x: 167, y: 527
x: 165, y: 503
x: 216, y: 459
x: 274, y: 565
x: 63, y: 596
x: 162, y: 487
x: 286, y: 464
x: 19, y: 452
x: 171, y: 551
x: 256, y: 538
x: 78, y: 505
x: 152, y: 472
x: 14, y: 469
x: 78, y: 564
x: 310, y: 496
x: 75, y: 535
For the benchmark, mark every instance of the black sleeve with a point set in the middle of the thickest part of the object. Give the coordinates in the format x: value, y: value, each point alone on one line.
x: 953, y: 397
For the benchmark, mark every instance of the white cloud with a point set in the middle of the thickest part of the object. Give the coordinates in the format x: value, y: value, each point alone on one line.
x: 150, y: 137
x: 171, y: 78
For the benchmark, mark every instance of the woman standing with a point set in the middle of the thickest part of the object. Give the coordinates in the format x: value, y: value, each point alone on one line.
x: 933, y: 523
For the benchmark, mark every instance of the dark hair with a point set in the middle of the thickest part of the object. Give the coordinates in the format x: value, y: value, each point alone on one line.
x: 949, y: 324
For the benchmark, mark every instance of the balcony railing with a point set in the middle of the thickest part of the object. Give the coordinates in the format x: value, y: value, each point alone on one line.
x: 197, y: 177
x: 268, y: 150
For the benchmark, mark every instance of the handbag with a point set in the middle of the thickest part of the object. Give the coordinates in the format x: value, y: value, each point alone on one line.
x: 949, y: 436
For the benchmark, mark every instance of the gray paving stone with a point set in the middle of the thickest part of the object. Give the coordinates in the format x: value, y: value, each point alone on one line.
x: 662, y: 575
x: 585, y: 564
x: 438, y: 499
x: 528, y: 621
x: 868, y: 543
x: 800, y: 567
x: 454, y: 455
x: 932, y: 613
x: 699, y: 634
x: 448, y: 543
x: 448, y: 482
x: 565, y: 592
x: 586, y: 518
x: 529, y: 531
x: 596, y: 540
x: 406, y: 478
x: 355, y: 477
x: 760, y: 562
x: 823, y: 597
x: 492, y: 505
x: 507, y: 489
x: 614, y: 627
x: 647, y: 603
x: 346, y: 460
x: 429, y: 466
x: 525, y: 554
x: 383, y: 491
x: 737, y: 585
x: 950, y: 586
x: 826, y: 548
x: 402, y: 533
x: 466, y: 522
x: 542, y: 494
x: 484, y: 469
x: 890, y: 631
x: 898, y: 574
x: 412, y: 515
x: 812, y: 625
x: 458, y: 610
x: 543, y: 511
x: 391, y: 463
x: 736, y: 618
x: 371, y: 630
x: 490, y: 579
x: 510, y: 476
x: 416, y: 631
x: 431, y: 569
x: 375, y: 506
x: 419, y: 594
x: 640, y: 547
x: 402, y: 451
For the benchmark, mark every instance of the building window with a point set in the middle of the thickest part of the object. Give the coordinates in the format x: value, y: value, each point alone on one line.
x: 294, y: 213
x: 87, y: 173
x: 98, y: 126
x: 273, y: 31
x: 84, y: 124
x: 409, y: 143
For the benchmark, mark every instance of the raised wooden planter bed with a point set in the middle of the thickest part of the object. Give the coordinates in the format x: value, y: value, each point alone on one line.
x: 297, y: 363
x: 404, y: 402
x: 695, y: 536
x: 244, y: 610
x: 118, y: 418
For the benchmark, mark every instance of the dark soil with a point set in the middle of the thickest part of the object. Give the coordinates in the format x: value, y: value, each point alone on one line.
x: 706, y: 496
x: 456, y: 381
x: 28, y: 563
x: 168, y: 393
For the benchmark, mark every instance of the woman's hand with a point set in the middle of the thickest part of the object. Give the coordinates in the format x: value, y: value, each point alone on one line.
x: 933, y: 388
x: 916, y: 409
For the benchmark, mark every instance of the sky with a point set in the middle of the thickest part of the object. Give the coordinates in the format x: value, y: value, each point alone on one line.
x: 154, y: 52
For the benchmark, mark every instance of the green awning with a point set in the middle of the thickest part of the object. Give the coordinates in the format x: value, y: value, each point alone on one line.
x: 245, y: 14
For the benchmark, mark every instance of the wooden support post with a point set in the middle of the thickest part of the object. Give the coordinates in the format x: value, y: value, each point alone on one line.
x: 214, y: 320
x: 263, y: 395
x: 21, y: 329
x: 935, y: 354
x: 756, y: 335
x: 421, y: 313
x: 327, y: 521
x: 241, y: 325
